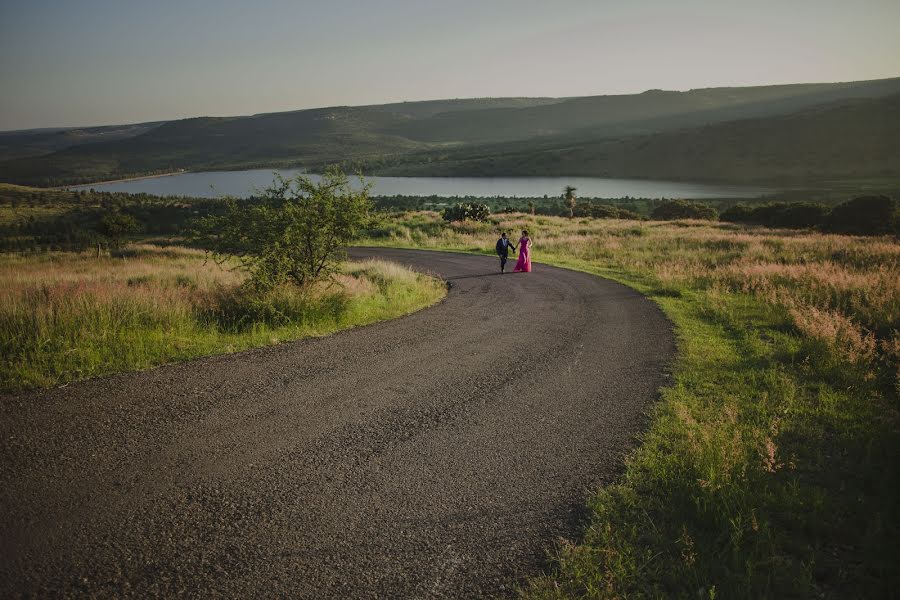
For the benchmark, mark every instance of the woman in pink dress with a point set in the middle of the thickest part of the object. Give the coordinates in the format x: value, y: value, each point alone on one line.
x: 524, y: 262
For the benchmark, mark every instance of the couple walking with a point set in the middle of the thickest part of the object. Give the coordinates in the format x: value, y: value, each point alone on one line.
x: 524, y: 262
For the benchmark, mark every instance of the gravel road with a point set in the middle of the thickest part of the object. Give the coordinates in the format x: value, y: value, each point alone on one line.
x: 437, y: 455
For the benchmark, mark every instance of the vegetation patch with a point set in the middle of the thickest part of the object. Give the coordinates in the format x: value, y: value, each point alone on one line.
x: 67, y: 316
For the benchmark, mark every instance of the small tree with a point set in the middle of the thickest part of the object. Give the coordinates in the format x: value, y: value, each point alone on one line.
x: 114, y: 225
x: 295, y: 233
x: 466, y: 211
x: 569, y: 196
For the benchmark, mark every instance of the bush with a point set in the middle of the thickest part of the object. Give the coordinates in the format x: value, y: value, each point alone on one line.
x: 466, y: 212
x: 739, y: 213
x: 604, y: 211
x: 800, y: 215
x: 294, y: 234
x: 671, y: 210
x: 866, y: 215
x: 793, y: 215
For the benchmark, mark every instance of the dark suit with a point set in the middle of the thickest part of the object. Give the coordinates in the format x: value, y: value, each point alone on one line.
x: 503, y: 252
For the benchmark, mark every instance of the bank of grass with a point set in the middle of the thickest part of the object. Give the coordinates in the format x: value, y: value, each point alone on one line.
x: 66, y: 316
x: 770, y: 468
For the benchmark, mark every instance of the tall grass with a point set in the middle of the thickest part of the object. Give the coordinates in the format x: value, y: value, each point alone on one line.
x: 67, y: 316
x: 771, y: 465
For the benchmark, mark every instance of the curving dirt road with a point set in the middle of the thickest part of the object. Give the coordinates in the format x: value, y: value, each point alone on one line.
x: 437, y: 455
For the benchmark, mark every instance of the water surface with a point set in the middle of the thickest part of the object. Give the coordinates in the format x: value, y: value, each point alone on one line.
x: 211, y: 184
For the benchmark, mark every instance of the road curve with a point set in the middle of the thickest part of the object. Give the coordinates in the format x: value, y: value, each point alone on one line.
x: 436, y: 455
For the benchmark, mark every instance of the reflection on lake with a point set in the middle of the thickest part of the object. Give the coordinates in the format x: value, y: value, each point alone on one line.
x: 211, y: 184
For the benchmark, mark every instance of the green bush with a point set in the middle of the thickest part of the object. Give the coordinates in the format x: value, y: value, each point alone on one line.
x: 791, y: 215
x: 671, y: 210
x: 604, y: 211
x: 866, y: 215
x: 466, y: 212
x: 294, y: 234
x: 800, y: 215
x: 739, y: 213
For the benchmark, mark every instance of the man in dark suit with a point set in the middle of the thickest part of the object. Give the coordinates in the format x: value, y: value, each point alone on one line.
x: 503, y: 246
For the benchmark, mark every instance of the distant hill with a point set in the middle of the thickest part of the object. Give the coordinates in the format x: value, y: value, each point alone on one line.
x: 35, y: 142
x: 424, y: 109
x: 842, y: 140
x: 654, y: 110
x: 276, y: 139
x: 476, y: 136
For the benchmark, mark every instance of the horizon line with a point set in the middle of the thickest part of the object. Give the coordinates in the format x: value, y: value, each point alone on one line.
x: 445, y: 99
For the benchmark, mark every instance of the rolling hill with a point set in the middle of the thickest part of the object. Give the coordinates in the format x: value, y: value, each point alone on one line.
x: 852, y: 139
x: 593, y: 135
x: 35, y: 142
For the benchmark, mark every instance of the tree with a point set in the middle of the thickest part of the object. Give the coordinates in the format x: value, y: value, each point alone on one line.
x: 114, y: 225
x: 294, y: 234
x: 866, y: 215
x: 569, y: 195
x: 670, y: 210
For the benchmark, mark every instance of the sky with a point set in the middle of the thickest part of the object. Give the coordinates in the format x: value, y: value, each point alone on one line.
x: 94, y: 62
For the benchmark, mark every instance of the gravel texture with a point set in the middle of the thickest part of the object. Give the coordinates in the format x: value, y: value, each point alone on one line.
x: 441, y: 454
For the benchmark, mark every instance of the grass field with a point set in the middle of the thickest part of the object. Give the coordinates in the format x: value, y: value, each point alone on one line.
x: 67, y: 316
x: 770, y: 468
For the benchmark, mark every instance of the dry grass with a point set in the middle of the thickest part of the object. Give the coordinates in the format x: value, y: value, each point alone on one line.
x: 65, y: 316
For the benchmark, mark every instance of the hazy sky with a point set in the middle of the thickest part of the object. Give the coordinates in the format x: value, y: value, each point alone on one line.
x: 86, y: 62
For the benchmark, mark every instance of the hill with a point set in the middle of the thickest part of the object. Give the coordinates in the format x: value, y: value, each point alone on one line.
x: 550, y: 133
x: 846, y: 140
x: 277, y: 139
x: 36, y: 142
x: 650, y: 111
x: 429, y: 108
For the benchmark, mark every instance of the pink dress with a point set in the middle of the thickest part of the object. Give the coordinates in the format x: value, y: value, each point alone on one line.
x: 524, y: 263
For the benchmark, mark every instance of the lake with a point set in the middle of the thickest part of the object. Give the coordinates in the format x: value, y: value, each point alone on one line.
x: 211, y: 184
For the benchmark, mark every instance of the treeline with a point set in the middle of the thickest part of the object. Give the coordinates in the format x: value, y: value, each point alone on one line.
x: 623, y: 208
x: 33, y: 219
x: 865, y: 215
x: 76, y: 220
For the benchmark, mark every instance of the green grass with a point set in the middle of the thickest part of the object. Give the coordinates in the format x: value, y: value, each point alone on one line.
x: 770, y: 468
x: 65, y: 317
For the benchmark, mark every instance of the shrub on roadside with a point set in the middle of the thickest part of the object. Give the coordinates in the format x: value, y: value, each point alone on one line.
x: 294, y: 234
